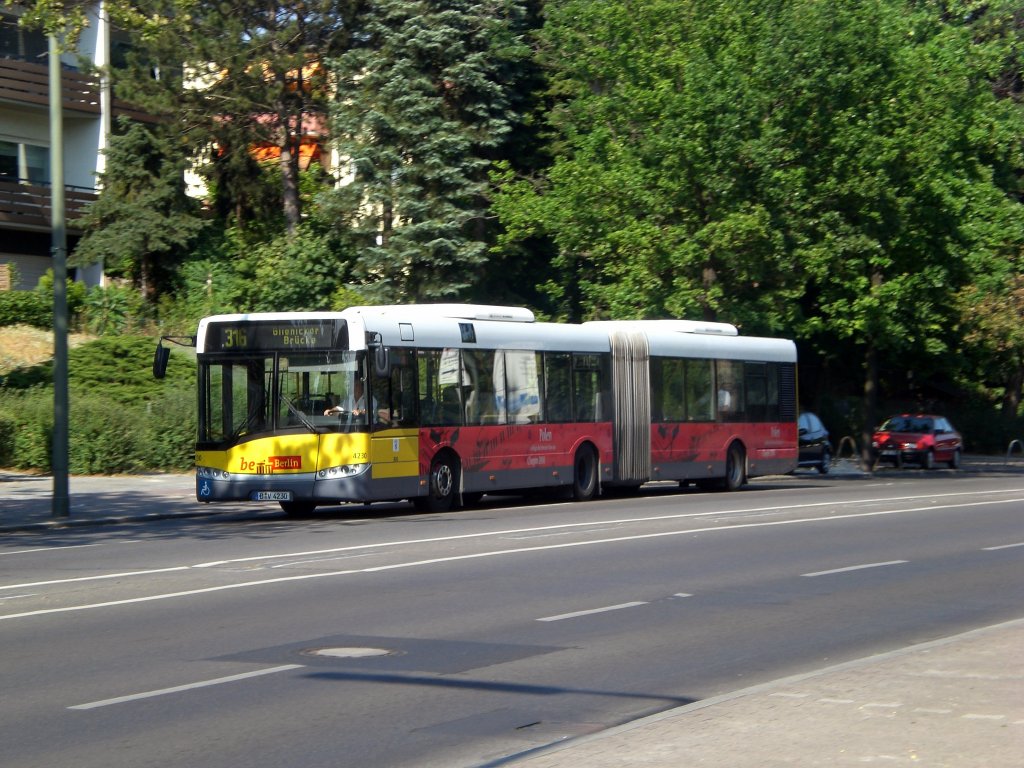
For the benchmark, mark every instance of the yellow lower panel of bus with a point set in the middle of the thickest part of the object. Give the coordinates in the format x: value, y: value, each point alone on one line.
x: 288, y: 454
x: 395, y: 453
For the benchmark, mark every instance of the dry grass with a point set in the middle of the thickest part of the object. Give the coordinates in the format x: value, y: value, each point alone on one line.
x: 22, y: 345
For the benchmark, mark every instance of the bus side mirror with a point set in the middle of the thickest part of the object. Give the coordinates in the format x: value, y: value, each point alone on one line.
x: 381, y: 358
x: 381, y: 362
x: 160, y: 358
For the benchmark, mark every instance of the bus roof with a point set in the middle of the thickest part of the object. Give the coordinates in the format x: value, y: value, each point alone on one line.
x: 499, y: 327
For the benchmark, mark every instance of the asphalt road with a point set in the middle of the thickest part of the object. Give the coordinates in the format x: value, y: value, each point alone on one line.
x: 374, y: 637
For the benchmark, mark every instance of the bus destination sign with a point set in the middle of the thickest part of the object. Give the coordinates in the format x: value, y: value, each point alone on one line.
x: 266, y: 335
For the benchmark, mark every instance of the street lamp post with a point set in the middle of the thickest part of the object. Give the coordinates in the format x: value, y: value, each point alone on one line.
x: 59, y: 459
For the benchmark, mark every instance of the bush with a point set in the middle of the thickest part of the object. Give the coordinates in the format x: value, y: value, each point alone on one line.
x: 35, y: 307
x: 112, y: 309
x: 27, y: 440
x: 169, y: 436
x: 8, y: 430
x: 26, y: 308
x: 121, y: 418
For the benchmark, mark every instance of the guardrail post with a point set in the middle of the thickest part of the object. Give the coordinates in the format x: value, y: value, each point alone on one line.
x: 855, y: 453
x: 1009, y: 450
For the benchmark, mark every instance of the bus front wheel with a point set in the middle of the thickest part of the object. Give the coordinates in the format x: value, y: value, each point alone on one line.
x: 584, y: 479
x: 442, y: 485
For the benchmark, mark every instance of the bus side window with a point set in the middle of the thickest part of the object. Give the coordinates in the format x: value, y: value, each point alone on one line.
x: 451, y: 406
x: 668, y: 379
x: 756, y: 383
x: 557, y: 387
x: 522, y: 386
x: 590, y: 386
x: 731, y: 401
x: 698, y: 392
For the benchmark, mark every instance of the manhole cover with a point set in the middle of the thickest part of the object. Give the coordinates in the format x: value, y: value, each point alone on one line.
x: 348, y: 653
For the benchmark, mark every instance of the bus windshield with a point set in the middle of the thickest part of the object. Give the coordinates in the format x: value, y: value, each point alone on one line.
x: 271, y: 392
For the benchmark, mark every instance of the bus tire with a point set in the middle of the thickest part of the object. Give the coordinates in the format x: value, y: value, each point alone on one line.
x: 298, y: 508
x: 442, y: 485
x: 735, y: 468
x: 584, y: 474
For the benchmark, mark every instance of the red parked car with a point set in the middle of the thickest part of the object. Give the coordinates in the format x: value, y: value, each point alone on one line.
x: 920, y: 438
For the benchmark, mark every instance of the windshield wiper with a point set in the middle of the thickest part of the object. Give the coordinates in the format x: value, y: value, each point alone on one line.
x: 299, y: 414
x: 245, y: 426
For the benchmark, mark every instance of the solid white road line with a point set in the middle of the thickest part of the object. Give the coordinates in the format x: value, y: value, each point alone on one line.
x: 521, y: 551
x: 545, y: 529
x: 95, y: 578
x: 853, y: 568
x: 1003, y: 546
x: 576, y: 614
x: 188, y: 687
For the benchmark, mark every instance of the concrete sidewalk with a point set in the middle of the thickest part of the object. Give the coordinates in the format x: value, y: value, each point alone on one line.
x: 952, y: 703
x: 957, y: 702
x: 26, y: 501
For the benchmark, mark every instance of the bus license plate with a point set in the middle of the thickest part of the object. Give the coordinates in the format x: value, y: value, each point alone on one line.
x: 271, y: 496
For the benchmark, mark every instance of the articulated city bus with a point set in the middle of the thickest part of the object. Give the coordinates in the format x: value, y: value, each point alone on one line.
x: 442, y: 403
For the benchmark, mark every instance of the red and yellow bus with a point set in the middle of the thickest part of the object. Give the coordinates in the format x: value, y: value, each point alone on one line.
x: 442, y: 403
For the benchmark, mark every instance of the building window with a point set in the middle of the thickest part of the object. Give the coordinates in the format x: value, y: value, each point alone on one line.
x: 24, y: 162
x: 19, y: 43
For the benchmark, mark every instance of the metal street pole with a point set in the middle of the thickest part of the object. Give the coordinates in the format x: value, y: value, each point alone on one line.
x: 59, y: 459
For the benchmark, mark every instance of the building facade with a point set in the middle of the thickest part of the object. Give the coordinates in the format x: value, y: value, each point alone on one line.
x: 25, y: 168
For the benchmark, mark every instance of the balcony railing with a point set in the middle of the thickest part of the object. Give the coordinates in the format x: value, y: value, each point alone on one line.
x: 29, y: 206
x: 26, y: 82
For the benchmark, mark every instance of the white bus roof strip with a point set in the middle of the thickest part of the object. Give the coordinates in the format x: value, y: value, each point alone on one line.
x: 438, y: 332
x: 456, y: 311
x: 678, y: 326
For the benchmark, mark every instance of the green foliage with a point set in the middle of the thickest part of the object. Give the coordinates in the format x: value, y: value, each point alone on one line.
x: 300, y: 271
x: 260, y: 84
x: 829, y: 171
x: 106, y: 436
x: 143, y: 222
x: 35, y: 307
x: 123, y: 364
x: 31, y: 441
x: 8, y: 431
x: 112, y: 309
x: 121, y: 419
x: 427, y: 95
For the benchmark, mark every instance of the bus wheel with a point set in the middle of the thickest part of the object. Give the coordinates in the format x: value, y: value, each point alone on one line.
x: 298, y: 508
x: 735, y: 469
x: 584, y: 476
x: 442, y: 486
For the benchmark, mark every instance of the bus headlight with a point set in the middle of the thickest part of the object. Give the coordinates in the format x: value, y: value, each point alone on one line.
x: 213, y: 474
x: 345, y: 470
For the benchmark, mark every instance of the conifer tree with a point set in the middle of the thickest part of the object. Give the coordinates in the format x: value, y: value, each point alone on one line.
x: 143, y: 223
x: 234, y: 77
x: 424, y: 106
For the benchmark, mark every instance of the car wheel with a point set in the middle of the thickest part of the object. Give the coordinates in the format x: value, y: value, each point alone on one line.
x: 954, y: 462
x: 826, y: 461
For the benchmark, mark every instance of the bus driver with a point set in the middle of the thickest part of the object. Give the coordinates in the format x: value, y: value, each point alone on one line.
x: 355, y: 404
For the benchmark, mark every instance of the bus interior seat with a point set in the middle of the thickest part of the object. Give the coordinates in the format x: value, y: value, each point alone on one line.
x: 451, y: 408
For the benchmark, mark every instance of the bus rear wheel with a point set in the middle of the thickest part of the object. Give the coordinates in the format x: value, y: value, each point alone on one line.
x: 584, y: 475
x: 442, y: 485
x: 735, y: 469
